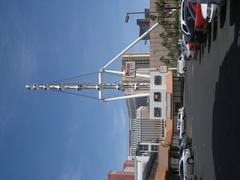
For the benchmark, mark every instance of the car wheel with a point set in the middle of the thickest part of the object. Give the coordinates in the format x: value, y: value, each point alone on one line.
x: 184, y: 69
x: 190, y: 161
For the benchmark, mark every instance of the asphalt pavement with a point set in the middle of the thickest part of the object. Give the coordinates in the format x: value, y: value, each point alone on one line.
x: 212, y: 98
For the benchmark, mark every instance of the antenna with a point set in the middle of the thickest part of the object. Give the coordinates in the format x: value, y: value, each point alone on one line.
x: 101, y: 86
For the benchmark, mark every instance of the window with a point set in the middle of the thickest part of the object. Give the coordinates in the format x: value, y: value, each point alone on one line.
x: 158, y: 80
x: 143, y: 29
x: 185, y: 29
x: 157, y: 112
x: 162, y: 134
x: 179, y: 115
x: 154, y: 148
x: 157, y: 96
x: 142, y: 62
x: 144, y: 147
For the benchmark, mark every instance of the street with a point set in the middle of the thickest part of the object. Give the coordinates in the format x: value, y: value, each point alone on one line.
x: 212, y: 96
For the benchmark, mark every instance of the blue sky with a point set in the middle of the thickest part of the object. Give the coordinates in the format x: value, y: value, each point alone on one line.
x: 49, y: 135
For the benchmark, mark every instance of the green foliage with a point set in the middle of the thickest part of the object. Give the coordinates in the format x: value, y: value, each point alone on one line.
x: 170, y: 24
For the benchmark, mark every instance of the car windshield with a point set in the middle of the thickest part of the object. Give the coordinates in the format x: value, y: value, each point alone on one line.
x: 185, y: 29
x: 184, y: 8
x: 185, y: 41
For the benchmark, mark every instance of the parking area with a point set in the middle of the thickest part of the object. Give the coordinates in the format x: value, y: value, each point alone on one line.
x: 212, y: 98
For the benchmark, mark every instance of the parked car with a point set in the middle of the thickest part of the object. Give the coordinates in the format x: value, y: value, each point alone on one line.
x: 178, y: 125
x: 191, y: 25
x: 181, y: 66
x: 180, y: 116
x: 200, y: 24
x: 182, y: 131
x: 209, y: 12
x: 186, y: 165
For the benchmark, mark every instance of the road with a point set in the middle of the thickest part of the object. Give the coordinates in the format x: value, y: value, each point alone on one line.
x: 212, y: 98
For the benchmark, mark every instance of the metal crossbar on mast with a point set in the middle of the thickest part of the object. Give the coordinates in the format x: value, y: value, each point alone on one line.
x: 100, y: 86
x: 81, y: 86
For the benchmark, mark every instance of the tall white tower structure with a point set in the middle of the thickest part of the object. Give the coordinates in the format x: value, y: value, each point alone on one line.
x: 101, y: 85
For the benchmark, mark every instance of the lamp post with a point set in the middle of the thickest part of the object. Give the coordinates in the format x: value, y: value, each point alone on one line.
x: 127, y: 15
x: 146, y: 12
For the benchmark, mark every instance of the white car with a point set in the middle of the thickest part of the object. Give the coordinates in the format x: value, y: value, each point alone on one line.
x: 180, y: 117
x: 186, y: 164
x: 182, y: 131
x: 181, y: 122
x: 209, y: 12
x: 181, y: 67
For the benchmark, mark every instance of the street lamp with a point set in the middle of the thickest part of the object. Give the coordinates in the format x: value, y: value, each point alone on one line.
x: 127, y: 15
x: 146, y: 12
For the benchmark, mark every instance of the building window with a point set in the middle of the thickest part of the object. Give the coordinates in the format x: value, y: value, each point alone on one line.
x: 157, y: 96
x: 144, y: 147
x: 154, y: 148
x: 158, y: 80
x: 157, y: 112
x: 142, y: 62
x: 163, y: 134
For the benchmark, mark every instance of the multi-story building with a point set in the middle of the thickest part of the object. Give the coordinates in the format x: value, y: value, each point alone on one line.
x: 151, y: 118
x: 126, y: 174
x: 141, y: 61
x: 144, y: 130
x: 120, y: 175
x: 147, y: 116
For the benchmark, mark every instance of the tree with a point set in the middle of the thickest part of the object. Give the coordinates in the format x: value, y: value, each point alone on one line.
x: 170, y: 24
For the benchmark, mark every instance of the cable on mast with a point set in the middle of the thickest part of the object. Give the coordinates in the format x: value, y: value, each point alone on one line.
x: 77, y: 94
x: 100, y: 86
x: 74, y: 77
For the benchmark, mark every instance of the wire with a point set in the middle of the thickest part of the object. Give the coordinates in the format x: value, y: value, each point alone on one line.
x: 77, y: 94
x: 74, y: 77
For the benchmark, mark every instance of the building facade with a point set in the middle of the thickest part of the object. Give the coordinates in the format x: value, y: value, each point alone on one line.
x: 150, y: 118
x: 126, y: 174
x: 144, y: 130
x: 148, y: 115
x: 120, y: 175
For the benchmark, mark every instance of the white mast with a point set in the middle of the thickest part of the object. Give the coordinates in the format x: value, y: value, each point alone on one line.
x: 101, y: 85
